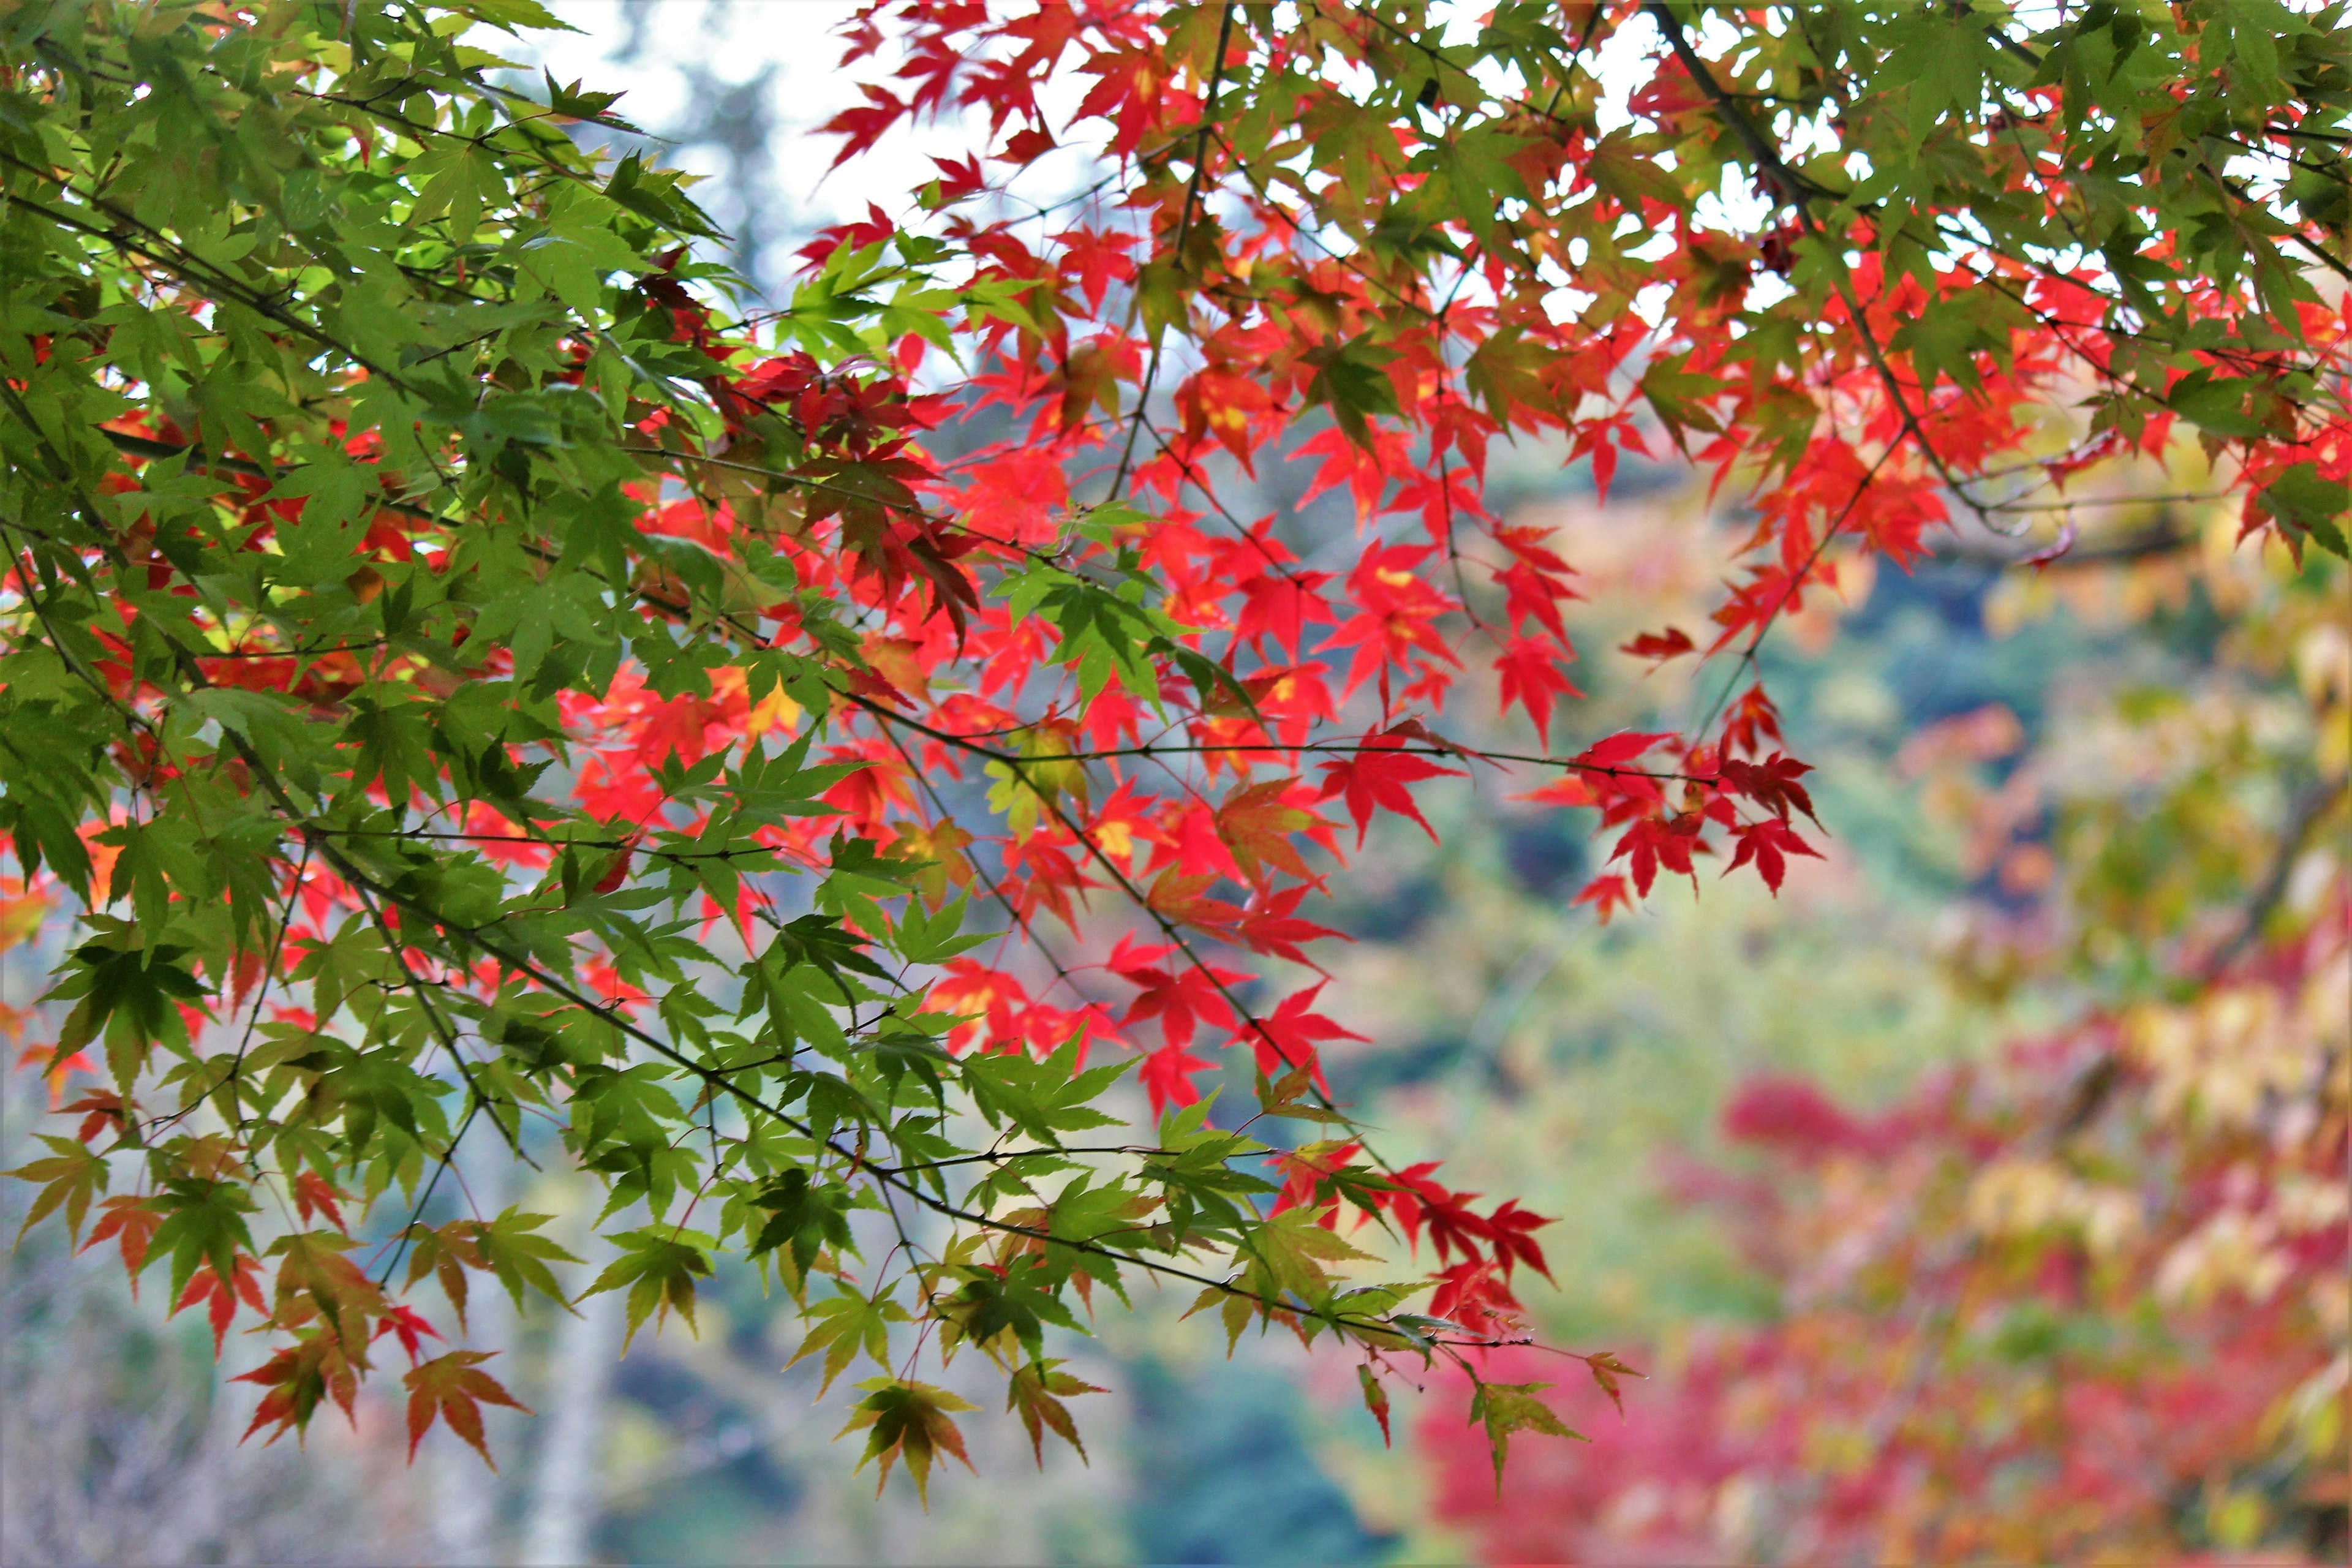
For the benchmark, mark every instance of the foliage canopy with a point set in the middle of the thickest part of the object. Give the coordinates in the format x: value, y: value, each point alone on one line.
x: 465, y: 669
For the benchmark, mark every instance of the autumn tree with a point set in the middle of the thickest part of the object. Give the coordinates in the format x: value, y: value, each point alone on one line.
x: 464, y: 671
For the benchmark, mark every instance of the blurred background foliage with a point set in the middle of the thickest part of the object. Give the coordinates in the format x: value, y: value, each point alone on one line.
x: 2058, y: 803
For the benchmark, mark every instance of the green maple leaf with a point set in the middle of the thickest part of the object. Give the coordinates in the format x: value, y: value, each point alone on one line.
x: 801, y: 1219
x: 1509, y: 1408
x: 1352, y: 380
x: 203, y: 1225
x: 1020, y: 1301
x: 659, y: 1267
x: 70, y: 1178
x: 133, y: 996
x: 910, y: 1421
x: 1290, y: 1250
x: 314, y: 1275
x: 842, y: 1325
x: 518, y: 1256
x: 2303, y: 503
x: 1036, y: 1393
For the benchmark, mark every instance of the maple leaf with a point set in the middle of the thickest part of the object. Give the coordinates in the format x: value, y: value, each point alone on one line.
x: 862, y: 127
x: 1531, y: 677
x: 1750, y: 720
x: 1671, y: 643
x: 453, y: 1388
x: 1179, y: 997
x: 1286, y: 1037
x: 1167, y: 1076
x: 1277, y: 603
x: 1416, y: 1200
x: 956, y: 178
x: 1472, y: 1296
x: 1376, y: 1400
x: 1255, y: 822
x: 910, y: 1421
x: 72, y: 1177
x: 317, y: 1279
x: 100, y: 1108
x: 1272, y: 926
x: 1506, y: 1408
x: 1396, y: 617
x: 408, y: 1326
x: 1650, y: 844
x: 1095, y: 257
x: 1531, y: 595
x: 1567, y: 791
x: 1013, y: 1301
x: 219, y: 1301
x: 1287, y: 1255
x: 1607, y: 895
x: 801, y: 1220
x: 1509, y: 1235
x: 658, y: 1267
x: 134, y: 998
x: 1767, y: 843
x: 131, y: 1223
x: 1617, y: 751
x: 1183, y: 899
x: 1606, y: 1369
x: 842, y: 1325
x: 1036, y: 1392
x: 313, y: 1193
x: 296, y: 1380
x: 504, y: 1246
x: 1374, y: 778
x: 1771, y: 784
x: 1286, y: 1096
x: 203, y: 1225
x: 1315, y: 1175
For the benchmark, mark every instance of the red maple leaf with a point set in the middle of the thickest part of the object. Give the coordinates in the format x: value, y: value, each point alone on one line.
x: 1768, y: 842
x: 1287, y: 1038
x: 1607, y: 895
x: 1771, y: 784
x: 1180, y: 995
x: 453, y: 1388
x: 1167, y: 1075
x: 1531, y: 677
x: 219, y: 1301
x: 1671, y: 643
x: 1374, y: 779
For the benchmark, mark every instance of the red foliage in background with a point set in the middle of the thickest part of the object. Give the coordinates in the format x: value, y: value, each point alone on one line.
x: 2081, y: 1304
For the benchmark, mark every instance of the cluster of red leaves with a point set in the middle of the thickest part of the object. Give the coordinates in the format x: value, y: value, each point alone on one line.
x: 1229, y: 301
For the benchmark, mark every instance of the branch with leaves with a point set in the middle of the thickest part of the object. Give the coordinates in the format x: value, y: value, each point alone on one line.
x: 460, y: 679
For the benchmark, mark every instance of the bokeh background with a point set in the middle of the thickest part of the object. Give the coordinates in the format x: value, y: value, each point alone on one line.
x: 1981, y: 1195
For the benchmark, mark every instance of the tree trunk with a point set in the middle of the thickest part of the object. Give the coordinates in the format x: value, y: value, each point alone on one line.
x: 466, y: 1531
x: 566, y: 1489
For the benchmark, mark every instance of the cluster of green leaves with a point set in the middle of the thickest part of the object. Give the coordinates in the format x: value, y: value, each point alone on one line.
x: 335, y: 383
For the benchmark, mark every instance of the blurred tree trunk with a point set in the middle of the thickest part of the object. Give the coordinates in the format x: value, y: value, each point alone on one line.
x: 566, y: 1491
x: 466, y: 1528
